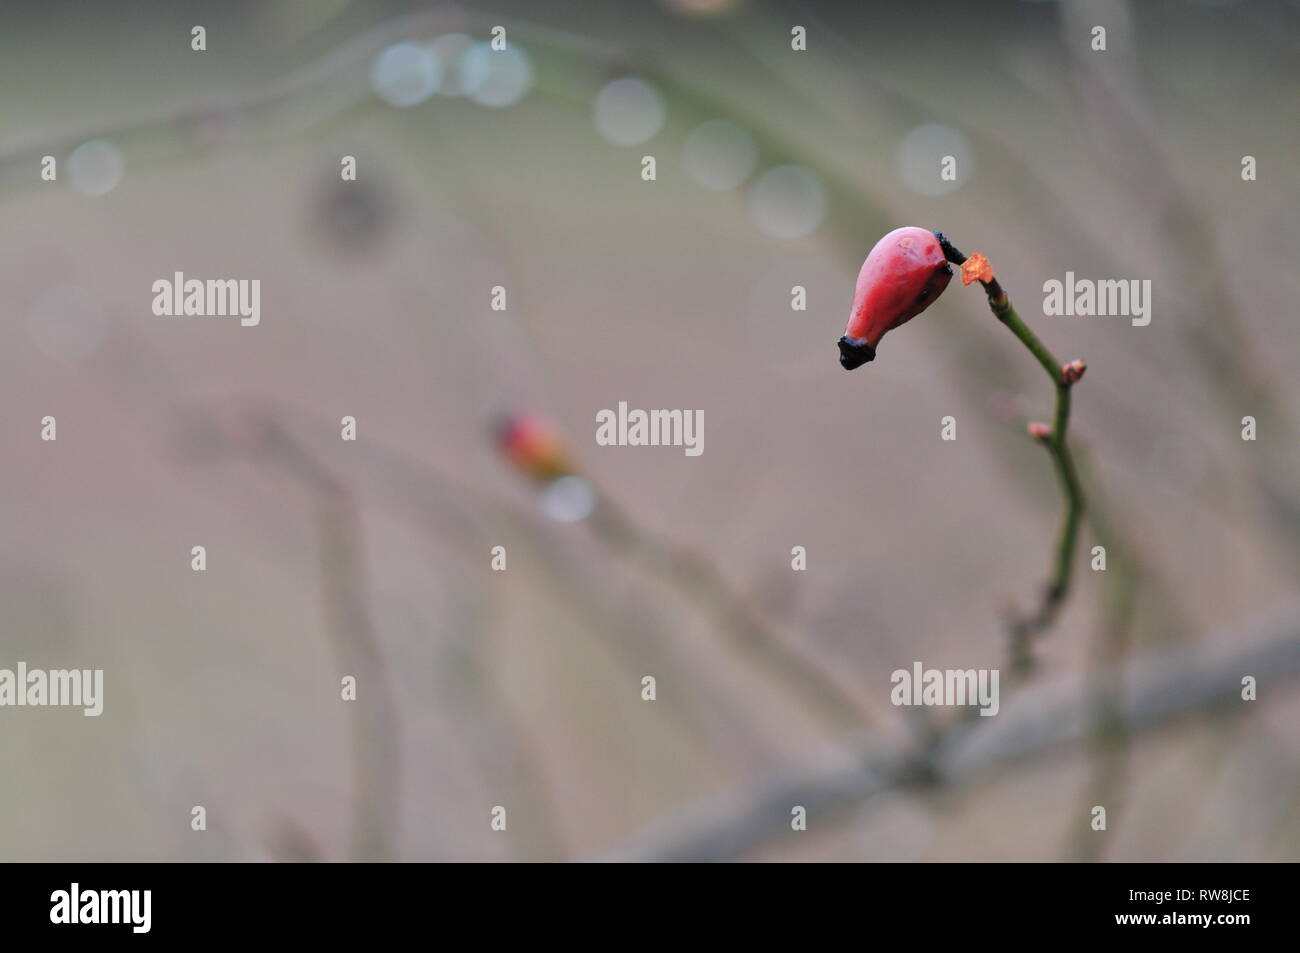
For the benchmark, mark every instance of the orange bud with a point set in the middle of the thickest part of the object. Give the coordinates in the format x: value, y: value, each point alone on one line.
x: 534, y: 447
x: 976, y: 268
x: 1040, y: 432
x: 1073, y: 371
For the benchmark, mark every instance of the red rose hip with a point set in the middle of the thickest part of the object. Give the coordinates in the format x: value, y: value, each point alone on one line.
x: 904, y: 273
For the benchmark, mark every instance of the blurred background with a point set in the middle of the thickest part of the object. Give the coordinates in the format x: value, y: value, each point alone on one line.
x: 522, y: 169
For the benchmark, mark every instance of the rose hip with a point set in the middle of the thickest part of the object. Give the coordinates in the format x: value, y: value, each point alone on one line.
x: 901, y: 277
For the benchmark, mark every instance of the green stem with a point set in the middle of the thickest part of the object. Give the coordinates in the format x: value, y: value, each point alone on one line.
x: 1023, y: 630
x: 1004, y: 312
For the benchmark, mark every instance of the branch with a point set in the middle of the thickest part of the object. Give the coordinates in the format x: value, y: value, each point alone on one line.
x: 537, y: 451
x: 699, y: 579
x: 1024, y: 629
x: 194, y: 112
x: 376, y: 755
x: 1048, y: 718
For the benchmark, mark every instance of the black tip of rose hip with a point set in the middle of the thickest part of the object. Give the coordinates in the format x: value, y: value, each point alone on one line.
x: 949, y: 252
x: 855, y: 353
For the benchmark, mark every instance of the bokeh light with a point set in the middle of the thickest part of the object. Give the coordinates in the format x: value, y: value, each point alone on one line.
x: 96, y: 167
x: 629, y: 111
x: 495, y: 77
x: 788, y: 201
x: 719, y: 155
x: 569, y: 499
x: 405, y: 74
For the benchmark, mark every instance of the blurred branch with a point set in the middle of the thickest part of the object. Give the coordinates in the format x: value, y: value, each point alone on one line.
x: 1044, y: 719
x: 467, y: 520
x: 1119, y: 120
x: 508, y: 742
x: 197, y: 118
x: 1108, y: 742
x: 538, y: 452
x: 446, y: 507
x: 376, y: 756
x: 699, y: 578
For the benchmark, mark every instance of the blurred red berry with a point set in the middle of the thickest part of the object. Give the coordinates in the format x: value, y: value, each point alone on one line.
x: 534, y: 447
x: 904, y: 273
